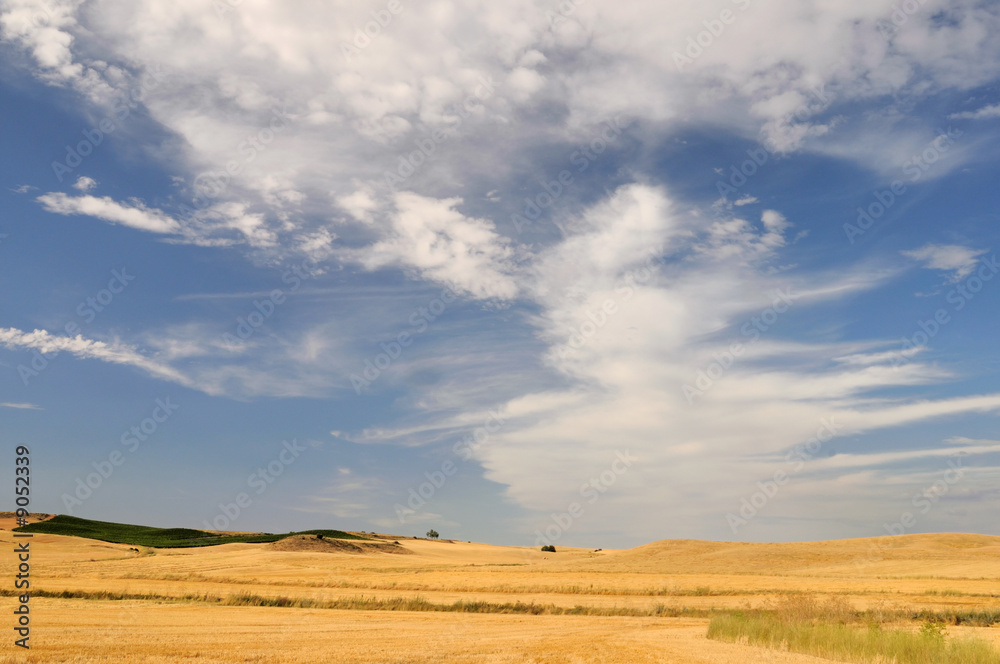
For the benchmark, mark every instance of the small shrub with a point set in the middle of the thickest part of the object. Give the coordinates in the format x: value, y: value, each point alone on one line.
x: 932, y: 632
x: 549, y: 548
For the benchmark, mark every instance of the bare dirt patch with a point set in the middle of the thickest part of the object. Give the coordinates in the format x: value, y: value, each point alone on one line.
x: 8, y: 520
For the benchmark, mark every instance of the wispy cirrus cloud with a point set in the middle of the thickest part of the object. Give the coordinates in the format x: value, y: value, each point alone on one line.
x: 83, y: 348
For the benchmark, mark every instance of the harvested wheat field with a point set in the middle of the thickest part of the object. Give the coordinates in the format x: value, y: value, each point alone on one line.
x: 307, y: 598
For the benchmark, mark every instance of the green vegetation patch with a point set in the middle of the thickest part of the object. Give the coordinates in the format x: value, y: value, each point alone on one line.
x: 163, y: 538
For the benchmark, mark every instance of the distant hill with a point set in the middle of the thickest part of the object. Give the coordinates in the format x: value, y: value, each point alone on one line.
x: 165, y: 538
x: 956, y: 555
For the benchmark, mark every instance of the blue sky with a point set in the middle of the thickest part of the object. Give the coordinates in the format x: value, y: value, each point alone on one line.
x: 518, y: 273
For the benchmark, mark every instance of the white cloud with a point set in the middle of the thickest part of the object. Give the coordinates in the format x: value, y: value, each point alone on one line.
x: 962, y: 440
x: 737, y: 239
x: 21, y: 406
x: 630, y: 227
x: 991, y: 111
x: 309, y: 360
x: 843, y: 461
x: 961, y: 261
x: 251, y: 227
x: 346, y: 122
x: 680, y: 295
x: 83, y: 348
x: 136, y: 216
x: 193, y: 355
x: 84, y: 184
x: 45, y: 28
x: 439, y: 243
x: 221, y: 224
x: 870, y: 359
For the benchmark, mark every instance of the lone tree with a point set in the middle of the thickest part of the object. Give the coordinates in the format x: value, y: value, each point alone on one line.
x: 433, y: 534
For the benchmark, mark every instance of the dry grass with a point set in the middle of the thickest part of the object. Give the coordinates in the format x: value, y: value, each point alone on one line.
x: 465, y: 602
x: 837, y: 631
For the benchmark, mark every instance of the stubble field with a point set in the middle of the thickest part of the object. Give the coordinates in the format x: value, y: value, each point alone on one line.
x: 308, y: 600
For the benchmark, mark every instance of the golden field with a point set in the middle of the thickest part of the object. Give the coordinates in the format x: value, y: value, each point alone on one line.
x: 648, y: 604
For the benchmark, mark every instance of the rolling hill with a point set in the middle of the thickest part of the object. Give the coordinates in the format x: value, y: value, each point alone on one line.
x: 124, y: 533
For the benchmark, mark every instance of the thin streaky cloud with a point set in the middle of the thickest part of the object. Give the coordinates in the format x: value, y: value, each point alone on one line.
x: 991, y: 111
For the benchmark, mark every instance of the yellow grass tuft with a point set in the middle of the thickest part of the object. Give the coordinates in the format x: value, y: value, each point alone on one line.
x: 834, y: 630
